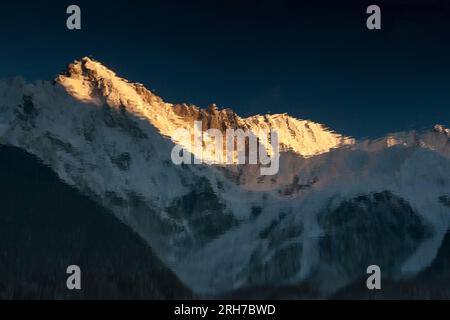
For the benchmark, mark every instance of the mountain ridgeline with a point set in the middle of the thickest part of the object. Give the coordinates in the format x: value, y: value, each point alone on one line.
x: 105, y: 195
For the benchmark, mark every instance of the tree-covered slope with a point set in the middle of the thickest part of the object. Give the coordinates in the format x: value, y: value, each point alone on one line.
x: 46, y: 225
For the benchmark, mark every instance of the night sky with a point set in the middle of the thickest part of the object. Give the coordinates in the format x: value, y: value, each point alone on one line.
x: 312, y: 59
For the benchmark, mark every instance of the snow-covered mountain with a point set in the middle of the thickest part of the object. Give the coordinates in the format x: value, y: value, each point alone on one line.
x: 336, y: 205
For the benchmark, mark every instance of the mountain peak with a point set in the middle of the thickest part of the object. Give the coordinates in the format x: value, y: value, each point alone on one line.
x: 89, y: 81
x: 442, y: 129
x: 88, y: 67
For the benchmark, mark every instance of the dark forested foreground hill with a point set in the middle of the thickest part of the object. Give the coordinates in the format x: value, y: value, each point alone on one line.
x: 46, y: 225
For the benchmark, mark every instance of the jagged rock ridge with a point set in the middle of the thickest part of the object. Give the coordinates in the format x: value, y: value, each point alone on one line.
x: 222, y: 229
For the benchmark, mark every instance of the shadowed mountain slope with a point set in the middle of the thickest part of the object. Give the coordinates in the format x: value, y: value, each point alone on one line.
x: 46, y: 225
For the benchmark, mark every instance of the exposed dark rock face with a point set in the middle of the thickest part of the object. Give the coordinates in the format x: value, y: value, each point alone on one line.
x: 278, y: 255
x: 122, y: 121
x: 211, y: 118
x: 445, y: 200
x: 46, y: 226
x: 379, y: 228
x: 206, y: 215
x: 431, y: 283
x: 122, y: 161
x: 59, y: 144
x: 297, y: 187
x: 27, y: 112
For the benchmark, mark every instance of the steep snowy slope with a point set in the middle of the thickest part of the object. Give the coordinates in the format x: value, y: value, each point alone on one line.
x: 222, y: 228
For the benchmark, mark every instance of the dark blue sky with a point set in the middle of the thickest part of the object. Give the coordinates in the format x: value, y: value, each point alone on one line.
x: 312, y: 59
